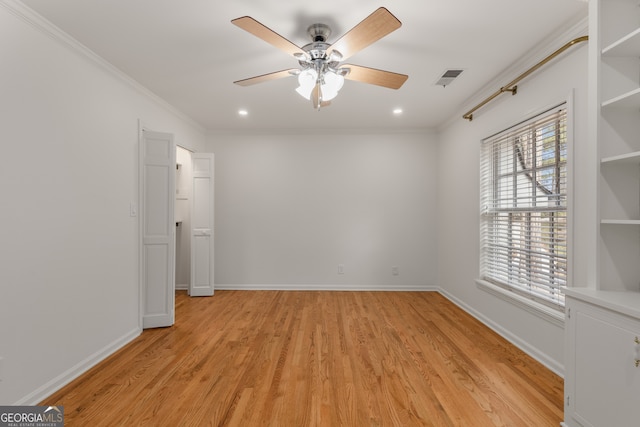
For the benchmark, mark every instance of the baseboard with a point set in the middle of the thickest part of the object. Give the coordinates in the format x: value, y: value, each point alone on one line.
x: 182, y: 287
x: 532, y: 351
x: 324, y: 287
x: 74, y: 372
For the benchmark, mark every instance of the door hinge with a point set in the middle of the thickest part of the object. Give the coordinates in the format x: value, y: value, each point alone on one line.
x: 568, y: 400
x: 568, y: 313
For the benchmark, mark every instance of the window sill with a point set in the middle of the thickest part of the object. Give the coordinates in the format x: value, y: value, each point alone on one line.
x: 547, y: 313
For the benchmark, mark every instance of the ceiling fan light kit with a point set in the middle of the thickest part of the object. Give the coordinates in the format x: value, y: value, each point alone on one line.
x: 321, y: 75
x: 330, y: 83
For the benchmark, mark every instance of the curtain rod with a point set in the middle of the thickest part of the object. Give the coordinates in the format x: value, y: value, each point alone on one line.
x: 512, y: 86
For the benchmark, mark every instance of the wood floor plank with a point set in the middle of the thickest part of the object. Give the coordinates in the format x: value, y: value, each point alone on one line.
x: 274, y: 358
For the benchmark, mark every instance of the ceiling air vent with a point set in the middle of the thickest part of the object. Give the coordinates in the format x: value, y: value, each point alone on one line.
x: 448, y: 77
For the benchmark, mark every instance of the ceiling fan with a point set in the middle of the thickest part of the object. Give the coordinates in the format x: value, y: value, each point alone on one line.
x: 322, y: 75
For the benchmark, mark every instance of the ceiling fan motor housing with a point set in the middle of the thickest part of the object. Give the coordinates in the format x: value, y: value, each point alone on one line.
x: 319, y: 59
x: 317, y: 49
x: 319, y: 32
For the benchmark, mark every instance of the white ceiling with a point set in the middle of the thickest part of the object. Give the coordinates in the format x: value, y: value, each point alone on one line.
x: 188, y: 53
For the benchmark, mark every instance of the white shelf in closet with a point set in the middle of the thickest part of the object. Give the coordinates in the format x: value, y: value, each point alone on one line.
x: 628, y: 46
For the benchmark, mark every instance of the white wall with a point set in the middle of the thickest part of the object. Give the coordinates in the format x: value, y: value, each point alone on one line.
x: 458, y: 202
x: 69, y: 252
x: 291, y: 207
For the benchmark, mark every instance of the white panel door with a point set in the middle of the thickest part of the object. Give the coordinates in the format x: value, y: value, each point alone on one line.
x: 157, y: 270
x: 202, y: 233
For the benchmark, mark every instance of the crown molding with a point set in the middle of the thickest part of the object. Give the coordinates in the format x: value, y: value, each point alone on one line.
x: 38, y: 22
x: 321, y: 131
x: 576, y: 28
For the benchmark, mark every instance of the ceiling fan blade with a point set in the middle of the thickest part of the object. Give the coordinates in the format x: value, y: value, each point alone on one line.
x: 249, y: 24
x: 372, y: 28
x: 266, y: 77
x: 375, y: 77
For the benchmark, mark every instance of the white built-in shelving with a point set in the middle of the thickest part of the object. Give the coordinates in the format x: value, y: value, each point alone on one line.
x: 629, y: 99
x: 602, y: 323
x: 628, y: 45
x: 617, y: 65
x: 620, y: 221
x: 633, y: 158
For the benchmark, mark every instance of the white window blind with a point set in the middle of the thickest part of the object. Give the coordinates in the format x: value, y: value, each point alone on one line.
x: 524, y: 208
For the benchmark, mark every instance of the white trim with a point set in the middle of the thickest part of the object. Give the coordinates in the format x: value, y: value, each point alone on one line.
x: 324, y: 287
x: 554, y: 365
x: 221, y: 132
x: 78, y: 369
x: 31, y: 17
x: 141, y: 129
x: 571, y: 143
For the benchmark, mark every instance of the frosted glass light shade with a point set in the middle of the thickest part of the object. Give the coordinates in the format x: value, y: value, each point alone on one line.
x: 332, y: 84
x: 307, y: 80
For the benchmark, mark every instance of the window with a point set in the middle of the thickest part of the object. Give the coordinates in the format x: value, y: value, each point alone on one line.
x: 523, y: 198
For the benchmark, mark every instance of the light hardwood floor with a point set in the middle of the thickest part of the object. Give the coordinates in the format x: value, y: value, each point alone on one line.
x: 271, y: 358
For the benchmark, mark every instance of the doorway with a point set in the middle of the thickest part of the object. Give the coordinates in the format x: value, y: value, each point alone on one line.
x: 176, y: 199
x: 194, y: 207
x: 184, y: 178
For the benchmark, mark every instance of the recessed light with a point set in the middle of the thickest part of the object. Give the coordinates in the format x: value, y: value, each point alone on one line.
x: 243, y: 112
x: 397, y: 111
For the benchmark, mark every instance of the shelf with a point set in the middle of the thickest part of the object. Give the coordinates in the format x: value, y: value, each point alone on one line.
x: 625, y: 302
x: 628, y: 45
x: 627, y: 100
x: 621, y: 221
x: 629, y: 158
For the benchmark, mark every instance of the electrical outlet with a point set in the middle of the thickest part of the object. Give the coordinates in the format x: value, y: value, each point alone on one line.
x: 340, y: 268
x: 395, y: 271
